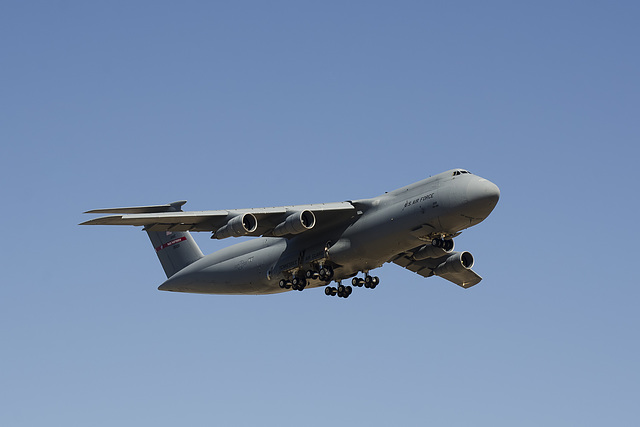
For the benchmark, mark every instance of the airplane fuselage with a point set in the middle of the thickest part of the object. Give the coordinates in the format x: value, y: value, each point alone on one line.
x: 380, y: 228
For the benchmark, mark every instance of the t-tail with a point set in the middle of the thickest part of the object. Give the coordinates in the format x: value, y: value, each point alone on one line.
x: 175, y: 249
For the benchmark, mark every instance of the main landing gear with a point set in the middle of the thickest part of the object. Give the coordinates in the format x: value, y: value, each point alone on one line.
x: 341, y: 291
x: 298, y: 283
x: 324, y: 273
x: 368, y: 282
x: 344, y: 291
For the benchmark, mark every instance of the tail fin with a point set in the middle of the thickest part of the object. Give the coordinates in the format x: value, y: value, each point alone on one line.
x: 175, y: 250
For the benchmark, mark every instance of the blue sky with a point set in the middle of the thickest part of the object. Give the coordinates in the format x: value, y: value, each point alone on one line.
x: 249, y: 104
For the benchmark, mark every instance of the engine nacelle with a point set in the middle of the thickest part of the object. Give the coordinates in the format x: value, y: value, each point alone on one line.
x: 240, y: 225
x: 295, y: 224
x: 456, y: 263
x: 430, y: 251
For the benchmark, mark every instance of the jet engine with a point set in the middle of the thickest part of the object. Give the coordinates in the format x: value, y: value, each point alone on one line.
x: 431, y: 251
x: 295, y: 224
x: 240, y: 225
x: 456, y: 263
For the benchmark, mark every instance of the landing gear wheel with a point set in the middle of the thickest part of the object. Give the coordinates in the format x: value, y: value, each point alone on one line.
x: 325, y: 273
x: 330, y: 275
x: 328, y: 291
x: 298, y: 283
x: 282, y: 283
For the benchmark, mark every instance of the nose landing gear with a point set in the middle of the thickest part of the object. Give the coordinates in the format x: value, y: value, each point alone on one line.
x: 446, y: 244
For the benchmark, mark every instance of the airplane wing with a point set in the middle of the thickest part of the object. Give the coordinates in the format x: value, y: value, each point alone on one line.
x: 454, y: 267
x: 270, y: 222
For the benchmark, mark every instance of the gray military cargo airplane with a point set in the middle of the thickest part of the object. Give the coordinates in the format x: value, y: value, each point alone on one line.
x: 308, y: 246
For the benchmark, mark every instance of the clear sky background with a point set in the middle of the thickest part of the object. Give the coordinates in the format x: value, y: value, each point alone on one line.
x: 251, y: 104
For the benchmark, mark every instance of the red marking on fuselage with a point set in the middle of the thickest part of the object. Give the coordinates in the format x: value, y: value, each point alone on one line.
x: 173, y: 242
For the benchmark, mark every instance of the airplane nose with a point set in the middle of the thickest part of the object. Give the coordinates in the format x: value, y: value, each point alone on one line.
x: 483, y: 195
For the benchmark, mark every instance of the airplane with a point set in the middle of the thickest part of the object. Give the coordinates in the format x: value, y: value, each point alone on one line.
x: 317, y: 245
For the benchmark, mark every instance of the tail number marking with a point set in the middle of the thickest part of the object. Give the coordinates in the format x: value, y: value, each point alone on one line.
x: 171, y: 243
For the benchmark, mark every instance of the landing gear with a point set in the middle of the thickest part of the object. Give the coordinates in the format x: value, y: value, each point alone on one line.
x: 284, y: 284
x: 324, y: 273
x: 298, y: 283
x: 446, y: 244
x: 369, y: 282
x: 341, y: 291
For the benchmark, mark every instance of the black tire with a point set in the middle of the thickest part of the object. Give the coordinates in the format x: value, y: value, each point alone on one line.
x: 330, y: 273
x: 327, y: 291
x: 282, y: 283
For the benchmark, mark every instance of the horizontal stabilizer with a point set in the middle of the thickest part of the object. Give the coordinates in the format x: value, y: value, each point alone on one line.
x: 170, y: 207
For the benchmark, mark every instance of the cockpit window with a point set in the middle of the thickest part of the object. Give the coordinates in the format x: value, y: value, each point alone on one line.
x: 460, y: 172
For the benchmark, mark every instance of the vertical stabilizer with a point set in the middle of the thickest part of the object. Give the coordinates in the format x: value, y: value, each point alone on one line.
x: 175, y: 250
